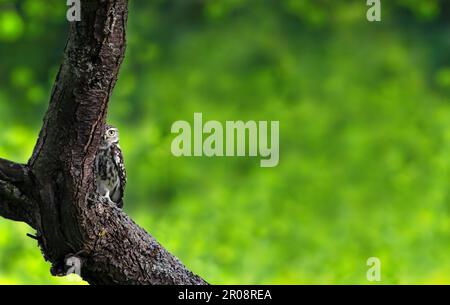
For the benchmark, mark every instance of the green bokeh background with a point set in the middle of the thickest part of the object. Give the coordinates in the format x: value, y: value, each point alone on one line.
x: 364, y: 135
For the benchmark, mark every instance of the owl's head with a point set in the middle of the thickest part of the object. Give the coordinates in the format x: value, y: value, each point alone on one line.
x: 110, y: 136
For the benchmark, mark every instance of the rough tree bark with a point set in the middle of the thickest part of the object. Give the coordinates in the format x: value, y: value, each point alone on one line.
x: 54, y: 192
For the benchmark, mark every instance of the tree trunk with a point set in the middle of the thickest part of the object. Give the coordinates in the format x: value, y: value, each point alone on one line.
x: 55, y: 192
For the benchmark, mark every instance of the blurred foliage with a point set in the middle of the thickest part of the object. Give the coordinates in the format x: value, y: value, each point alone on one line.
x: 365, y: 134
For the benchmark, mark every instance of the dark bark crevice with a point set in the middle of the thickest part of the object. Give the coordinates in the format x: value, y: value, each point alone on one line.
x: 55, y: 193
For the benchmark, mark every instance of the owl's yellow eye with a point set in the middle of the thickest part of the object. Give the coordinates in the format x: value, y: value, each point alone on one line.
x: 111, y: 132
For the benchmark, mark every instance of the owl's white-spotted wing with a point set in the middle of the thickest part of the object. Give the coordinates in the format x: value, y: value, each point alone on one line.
x: 120, y: 166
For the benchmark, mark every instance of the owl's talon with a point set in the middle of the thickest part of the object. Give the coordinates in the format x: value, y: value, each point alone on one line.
x: 106, y: 199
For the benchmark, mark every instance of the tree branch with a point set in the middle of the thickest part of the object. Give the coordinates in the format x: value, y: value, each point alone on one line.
x: 14, y: 202
x: 12, y: 172
x: 69, y: 217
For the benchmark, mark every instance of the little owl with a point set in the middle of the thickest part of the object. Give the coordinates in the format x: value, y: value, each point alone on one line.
x: 110, y: 172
